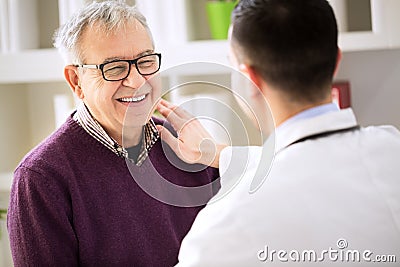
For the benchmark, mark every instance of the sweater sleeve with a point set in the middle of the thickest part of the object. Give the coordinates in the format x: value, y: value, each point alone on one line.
x: 39, y: 221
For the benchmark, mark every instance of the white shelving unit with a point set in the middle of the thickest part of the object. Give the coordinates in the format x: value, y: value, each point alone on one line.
x: 368, y: 25
x: 45, y: 64
x: 376, y: 28
x: 30, y: 66
x: 378, y: 20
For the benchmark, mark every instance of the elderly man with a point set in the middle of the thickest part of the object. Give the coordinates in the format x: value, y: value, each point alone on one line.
x: 80, y: 198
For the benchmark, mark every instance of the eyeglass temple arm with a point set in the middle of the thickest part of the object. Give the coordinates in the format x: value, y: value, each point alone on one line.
x: 87, y: 66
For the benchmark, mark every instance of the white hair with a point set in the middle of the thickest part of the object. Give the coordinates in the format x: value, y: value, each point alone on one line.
x: 110, y: 16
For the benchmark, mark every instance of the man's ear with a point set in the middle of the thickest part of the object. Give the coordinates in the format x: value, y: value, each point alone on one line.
x: 338, y: 59
x: 253, y: 75
x: 71, y: 75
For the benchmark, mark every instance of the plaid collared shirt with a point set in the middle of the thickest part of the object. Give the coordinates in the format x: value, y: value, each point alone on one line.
x: 150, y: 135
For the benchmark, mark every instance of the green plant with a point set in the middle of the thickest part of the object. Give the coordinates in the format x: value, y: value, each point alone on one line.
x: 219, y: 17
x: 3, y: 213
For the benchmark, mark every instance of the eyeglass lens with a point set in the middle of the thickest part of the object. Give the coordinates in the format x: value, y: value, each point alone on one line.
x: 118, y: 70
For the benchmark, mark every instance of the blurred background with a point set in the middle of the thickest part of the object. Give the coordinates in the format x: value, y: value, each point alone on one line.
x: 35, y: 99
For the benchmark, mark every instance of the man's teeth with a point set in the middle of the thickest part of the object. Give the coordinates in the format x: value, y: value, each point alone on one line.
x: 132, y: 99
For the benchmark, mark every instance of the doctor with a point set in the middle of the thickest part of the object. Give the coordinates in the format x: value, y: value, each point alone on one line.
x: 332, y: 195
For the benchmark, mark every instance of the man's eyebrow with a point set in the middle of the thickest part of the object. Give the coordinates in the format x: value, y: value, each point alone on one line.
x: 110, y: 59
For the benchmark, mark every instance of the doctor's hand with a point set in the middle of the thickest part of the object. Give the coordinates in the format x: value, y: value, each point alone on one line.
x: 193, y: 144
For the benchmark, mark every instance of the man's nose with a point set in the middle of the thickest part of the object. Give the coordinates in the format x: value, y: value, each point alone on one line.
x: 135, y: 79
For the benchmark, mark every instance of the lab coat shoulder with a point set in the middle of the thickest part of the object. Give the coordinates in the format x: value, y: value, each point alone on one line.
x: 216, y: 223
x: 316, y: 192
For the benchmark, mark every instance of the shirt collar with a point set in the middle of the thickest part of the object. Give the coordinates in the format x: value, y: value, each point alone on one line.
x: 322, y: 123
x: 309, y: 113
x: 92, y: 127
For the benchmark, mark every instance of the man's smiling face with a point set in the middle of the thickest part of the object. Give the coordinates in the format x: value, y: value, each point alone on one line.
x: 108, y: 101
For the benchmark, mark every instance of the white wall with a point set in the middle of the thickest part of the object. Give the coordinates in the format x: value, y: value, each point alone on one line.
x: 375, y: 84
x: 42, y: 110
x: 26, y: 118
x: 14, y: 129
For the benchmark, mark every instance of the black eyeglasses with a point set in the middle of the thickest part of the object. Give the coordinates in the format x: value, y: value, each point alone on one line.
x: 118, y: 70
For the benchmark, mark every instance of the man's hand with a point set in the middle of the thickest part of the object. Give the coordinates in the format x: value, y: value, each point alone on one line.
x: 193, y: 144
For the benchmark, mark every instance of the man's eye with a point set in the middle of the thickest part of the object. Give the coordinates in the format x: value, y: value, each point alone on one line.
x: 146, y: 63
x: 115, y: 69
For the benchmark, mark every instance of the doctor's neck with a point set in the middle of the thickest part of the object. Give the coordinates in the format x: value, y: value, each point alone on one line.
x: 283, y: 107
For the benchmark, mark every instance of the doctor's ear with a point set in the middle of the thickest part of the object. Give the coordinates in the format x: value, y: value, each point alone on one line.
x: 252, y: 75
x: 72, y: 77
x: 338, y: 59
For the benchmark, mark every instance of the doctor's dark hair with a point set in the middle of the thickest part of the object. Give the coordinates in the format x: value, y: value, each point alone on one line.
x: 292, y: 44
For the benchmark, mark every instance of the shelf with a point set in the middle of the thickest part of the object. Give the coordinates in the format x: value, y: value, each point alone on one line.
x: 376, y: 30
x: 46, y: 65
x: 29, y: 66
x: 196, y: 51
x: 362, y: 41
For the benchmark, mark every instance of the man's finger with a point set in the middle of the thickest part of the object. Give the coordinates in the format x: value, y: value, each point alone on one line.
x: 178, y: 110
x: 171, y: 116
x: 168, y: 138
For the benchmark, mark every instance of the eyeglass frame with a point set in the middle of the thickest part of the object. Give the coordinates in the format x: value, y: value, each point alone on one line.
x: 130, y: 61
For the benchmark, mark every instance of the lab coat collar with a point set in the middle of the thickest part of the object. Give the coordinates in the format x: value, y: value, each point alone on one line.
x: 236, y: 161
x: 331, y: 121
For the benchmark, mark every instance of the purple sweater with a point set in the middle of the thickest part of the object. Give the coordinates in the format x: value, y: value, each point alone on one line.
x: 75, y: 203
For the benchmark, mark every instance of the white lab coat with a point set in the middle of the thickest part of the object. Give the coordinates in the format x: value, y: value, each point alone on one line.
x: 335, y: 193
